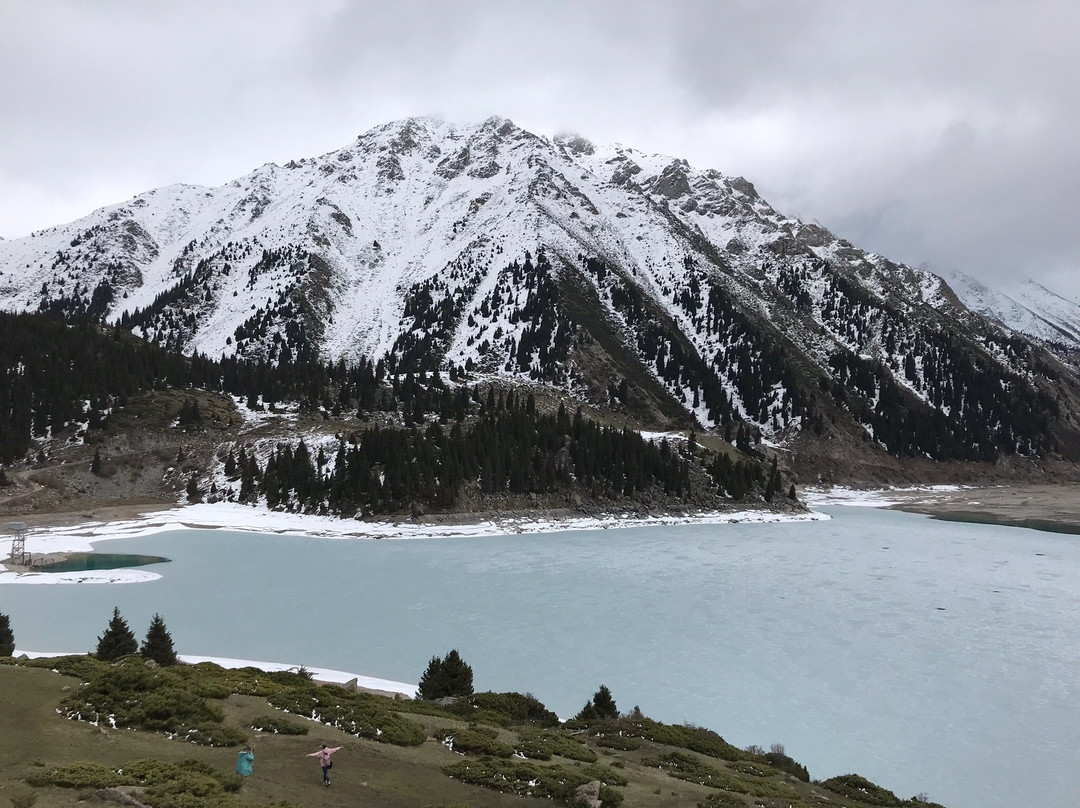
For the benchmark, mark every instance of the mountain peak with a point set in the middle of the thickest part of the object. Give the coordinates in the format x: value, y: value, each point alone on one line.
x: 635, y: 282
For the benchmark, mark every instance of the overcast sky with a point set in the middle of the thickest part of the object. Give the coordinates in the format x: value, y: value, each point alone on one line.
x: 944, y: 133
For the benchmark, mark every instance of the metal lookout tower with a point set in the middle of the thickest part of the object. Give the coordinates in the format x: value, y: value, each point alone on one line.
x: 18, y: 544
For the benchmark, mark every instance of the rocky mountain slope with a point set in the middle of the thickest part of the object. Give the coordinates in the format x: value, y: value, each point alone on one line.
x: 1028, y: 307
x: 666, y: 295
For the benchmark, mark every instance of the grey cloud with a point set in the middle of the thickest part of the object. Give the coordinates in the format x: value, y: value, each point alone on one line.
x: 939, y: 133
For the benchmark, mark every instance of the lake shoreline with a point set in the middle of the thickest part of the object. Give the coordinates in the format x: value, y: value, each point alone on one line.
x: 55, y: 539
x: 1053, y: 508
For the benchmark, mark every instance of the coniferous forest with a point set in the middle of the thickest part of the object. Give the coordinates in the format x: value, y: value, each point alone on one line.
x: 443, y: 442
x: 508, y: 448
x: 55, y: 374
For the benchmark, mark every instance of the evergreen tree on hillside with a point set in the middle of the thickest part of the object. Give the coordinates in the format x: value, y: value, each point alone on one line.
x: 449, y: 676
x: 118, y: 640
x: 600, y: 707
x: 604, y: 703
x: 7, y: 637
x: 158, y: 644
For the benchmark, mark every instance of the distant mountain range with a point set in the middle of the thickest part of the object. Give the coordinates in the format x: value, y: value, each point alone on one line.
x: 663, y: 294
x: 1025, y: 306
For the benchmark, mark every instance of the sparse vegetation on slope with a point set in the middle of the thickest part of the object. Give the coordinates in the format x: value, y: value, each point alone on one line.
x: 463, y: 751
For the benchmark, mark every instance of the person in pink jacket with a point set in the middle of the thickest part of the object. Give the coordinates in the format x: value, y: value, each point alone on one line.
x: 324, y: 760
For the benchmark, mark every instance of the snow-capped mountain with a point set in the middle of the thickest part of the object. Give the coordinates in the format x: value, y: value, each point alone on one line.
x: 634, y: 281
x: 1025, y: 306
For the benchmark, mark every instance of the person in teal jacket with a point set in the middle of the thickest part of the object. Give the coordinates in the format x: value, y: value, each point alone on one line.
x: 245, y: 762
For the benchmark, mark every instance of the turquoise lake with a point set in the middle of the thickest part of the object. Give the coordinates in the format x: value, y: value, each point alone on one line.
x: 932, y: 657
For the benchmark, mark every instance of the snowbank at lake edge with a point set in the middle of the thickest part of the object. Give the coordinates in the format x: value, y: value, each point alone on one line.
x: 233, y: 516
x: 320, y: 674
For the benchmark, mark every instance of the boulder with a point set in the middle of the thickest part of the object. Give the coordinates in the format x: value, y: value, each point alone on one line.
x: 587, y: 795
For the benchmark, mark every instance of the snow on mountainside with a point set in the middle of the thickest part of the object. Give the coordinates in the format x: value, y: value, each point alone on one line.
x: 634, y: 281
x: 1024, y: 306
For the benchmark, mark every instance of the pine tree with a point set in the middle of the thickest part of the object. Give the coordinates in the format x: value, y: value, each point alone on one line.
x: 600, y: 707
x: 95, y: 464
x: 158, y: 644
x: 117, y: 641
x: 604, y: 704
x: 7, y: 637
x: 194, y: 493
x: 449, y: 676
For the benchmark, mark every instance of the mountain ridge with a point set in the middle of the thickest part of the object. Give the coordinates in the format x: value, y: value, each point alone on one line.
x: 488, y: 250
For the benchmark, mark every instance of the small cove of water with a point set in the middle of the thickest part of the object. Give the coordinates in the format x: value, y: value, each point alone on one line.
x: 78, y: 562
x: 928, y: 656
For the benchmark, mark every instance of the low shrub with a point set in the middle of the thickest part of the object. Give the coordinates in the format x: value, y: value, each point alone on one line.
x: 859, y: 788
x: 82, y: 666
x: 276, y: 725
x: 605, y: 774
x: 178, y: 701
x: 696, y: 739
x: 693, y: 770
x: 359, y: 714
x: 164, y: 700
x: 474, y: 741
x: 542, y: 745
x: 527, y: 779
x: 81, y: 775
x: 496, y: 709
x: 622, y: 743
x: 753, y: 768
x: 189, y: 784
x: 783, y: 762
x: 722, y: 799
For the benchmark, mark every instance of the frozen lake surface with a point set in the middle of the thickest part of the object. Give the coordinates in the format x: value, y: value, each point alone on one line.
x: 929, y: 656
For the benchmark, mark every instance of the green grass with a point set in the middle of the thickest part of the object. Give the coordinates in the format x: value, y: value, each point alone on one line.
x: 49, y: 762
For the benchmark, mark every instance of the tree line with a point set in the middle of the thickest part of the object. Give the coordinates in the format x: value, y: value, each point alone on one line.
x: 504, y: 446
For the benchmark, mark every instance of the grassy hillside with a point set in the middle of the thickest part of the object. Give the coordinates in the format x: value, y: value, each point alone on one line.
x: 177, y: 732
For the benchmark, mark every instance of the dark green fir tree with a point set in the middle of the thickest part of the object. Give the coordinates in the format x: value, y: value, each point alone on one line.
x: 449, y: 676
x: 118, y: 640
x: 158, y: 644
x: 7, y: 637
x: 600, y: 707
x: 604, y: 703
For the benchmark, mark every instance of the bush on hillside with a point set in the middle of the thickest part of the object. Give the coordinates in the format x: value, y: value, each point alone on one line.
x: 474, y: 741
x: 527, y: 779
x: 156, y: 699
x: 541, y: 745
x: 188, y: 784
x: 778, y: 757
x: 275, y: 725
x: 687, y: 767
x: 621, y: 743
x: 859, y: 788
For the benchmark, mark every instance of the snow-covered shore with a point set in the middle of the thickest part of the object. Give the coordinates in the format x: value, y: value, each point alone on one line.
x: 874, y: 497
x: 319, y: 674
x: 231, y: 516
